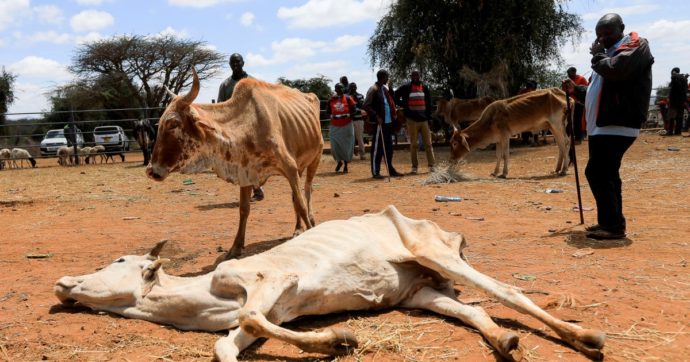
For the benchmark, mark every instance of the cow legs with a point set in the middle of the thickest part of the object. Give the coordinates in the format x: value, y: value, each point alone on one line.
x: 502, y: 150
x: 261, y: 300
x: 227, y: 348
x: 504, y: 341
x: 238, y: 244
x: 563, y: 143
x: 311, y: 172
x: 437, y: 257
x: 298, y: 201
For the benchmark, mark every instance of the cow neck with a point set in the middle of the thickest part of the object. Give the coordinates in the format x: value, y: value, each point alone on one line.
x: 196, y: 307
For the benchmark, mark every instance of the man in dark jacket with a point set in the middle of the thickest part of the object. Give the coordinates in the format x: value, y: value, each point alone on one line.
x: 380, y: 109
x: 678, y: 95
x: 616, y: 105
x: 415, y: 98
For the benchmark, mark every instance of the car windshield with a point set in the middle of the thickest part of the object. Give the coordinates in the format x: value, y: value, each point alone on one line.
x: 105, y: 130
x: 56, y: 133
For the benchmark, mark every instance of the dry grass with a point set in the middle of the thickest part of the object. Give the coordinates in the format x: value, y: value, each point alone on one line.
x: 409, y: 339
x: 635, y: 343
x: 447, y: 173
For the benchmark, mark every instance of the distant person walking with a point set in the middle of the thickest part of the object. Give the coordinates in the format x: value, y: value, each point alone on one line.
x: 616, y: 106
x: 415, y: 98
x: 225, y: 92
x: 677, y: 97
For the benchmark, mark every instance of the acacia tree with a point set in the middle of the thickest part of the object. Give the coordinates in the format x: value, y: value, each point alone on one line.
x: 146, y: 65
x: 439, y: 37
x: 6, y: 94
x: 317, y: 85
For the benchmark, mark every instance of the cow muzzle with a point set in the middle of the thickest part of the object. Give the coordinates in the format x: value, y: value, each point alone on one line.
x: 156, y: 172
x: 63, y: 288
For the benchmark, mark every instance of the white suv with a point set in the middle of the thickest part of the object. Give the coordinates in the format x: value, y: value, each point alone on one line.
x: 111, y: 137
x: 55, y: 138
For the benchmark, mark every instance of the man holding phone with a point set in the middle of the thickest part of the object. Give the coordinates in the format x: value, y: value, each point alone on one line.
x: 616, y: 106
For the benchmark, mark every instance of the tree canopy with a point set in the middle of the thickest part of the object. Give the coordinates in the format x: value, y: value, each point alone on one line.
x: 440, y: 37
x: 317, y: 85
x: 141, y: 67
x: 6, y: 92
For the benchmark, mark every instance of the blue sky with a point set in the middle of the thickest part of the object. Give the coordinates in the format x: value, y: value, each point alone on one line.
x: 295, y: 38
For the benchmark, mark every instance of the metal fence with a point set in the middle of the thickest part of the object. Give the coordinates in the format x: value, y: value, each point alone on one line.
x: 28, y: 133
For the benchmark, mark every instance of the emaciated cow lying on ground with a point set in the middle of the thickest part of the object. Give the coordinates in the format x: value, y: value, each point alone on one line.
x: 533, y: 111
x: 373, y: 261
x: 263, y: 130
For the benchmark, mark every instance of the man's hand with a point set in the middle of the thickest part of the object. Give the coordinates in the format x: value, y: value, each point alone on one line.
x: 596, y: 48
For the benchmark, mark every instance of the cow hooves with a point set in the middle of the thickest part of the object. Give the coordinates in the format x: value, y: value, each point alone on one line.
x: 508, y: 346
x: 344, y: 341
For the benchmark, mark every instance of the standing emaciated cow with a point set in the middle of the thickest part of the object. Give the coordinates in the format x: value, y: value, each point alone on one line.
x: 533, y: 111
x: 368, y: 262
x: 145, y: 134
x: 263, y: 130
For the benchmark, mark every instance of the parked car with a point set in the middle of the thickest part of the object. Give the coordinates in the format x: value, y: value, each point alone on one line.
x: 113, y: 138
x: 55, y: 138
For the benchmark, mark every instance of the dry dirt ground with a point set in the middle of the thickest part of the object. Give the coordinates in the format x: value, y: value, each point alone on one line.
x: 636, y: 289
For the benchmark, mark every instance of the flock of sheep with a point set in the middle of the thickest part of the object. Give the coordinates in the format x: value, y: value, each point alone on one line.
x: 15, y: 157
x: 12, y: 156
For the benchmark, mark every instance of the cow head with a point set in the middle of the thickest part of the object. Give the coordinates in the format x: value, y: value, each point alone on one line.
x: 180, y: 136
x: 459, y: 146
x: 117, y: 286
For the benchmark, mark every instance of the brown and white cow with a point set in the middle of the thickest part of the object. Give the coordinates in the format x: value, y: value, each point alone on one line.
x: 533, y: 111
x: 263, y: 130
x: 459, y: 112
x: 369, y: 262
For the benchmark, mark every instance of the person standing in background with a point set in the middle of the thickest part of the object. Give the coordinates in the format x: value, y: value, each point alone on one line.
x: 358, y: 120
x: 677, y: 97
x: 225, y: 92
x: 578, y: 110
x: 415, y: 98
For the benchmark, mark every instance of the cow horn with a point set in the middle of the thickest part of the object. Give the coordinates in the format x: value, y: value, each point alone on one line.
x: 191, y: 96
x: 153, y: 254
x: 171, y: 93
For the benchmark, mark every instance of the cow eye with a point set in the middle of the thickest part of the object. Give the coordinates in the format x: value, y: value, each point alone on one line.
x: 121, y: 260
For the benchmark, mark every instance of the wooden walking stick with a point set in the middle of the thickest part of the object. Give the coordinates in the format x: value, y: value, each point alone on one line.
x: 572, y: 151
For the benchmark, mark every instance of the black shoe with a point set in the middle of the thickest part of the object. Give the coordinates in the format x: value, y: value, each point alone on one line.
x: 602, y: 234
x: 377, y: 176
x: 595, y: 227
x: 337, y: 167
x: 345, y: 169
x: 395, y: 173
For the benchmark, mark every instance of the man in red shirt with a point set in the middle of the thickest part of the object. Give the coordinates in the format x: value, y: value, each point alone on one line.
x: 578, y: 115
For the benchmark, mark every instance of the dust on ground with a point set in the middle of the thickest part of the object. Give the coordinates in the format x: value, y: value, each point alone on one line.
x: 76, y: 219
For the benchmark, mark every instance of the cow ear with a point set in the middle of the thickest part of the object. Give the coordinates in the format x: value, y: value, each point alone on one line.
x: 149, y: 273
x: 464, y: 141
x: 153, y: 254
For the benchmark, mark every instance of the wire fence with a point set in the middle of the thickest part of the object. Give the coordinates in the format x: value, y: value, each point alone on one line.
x: 29, y: 131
